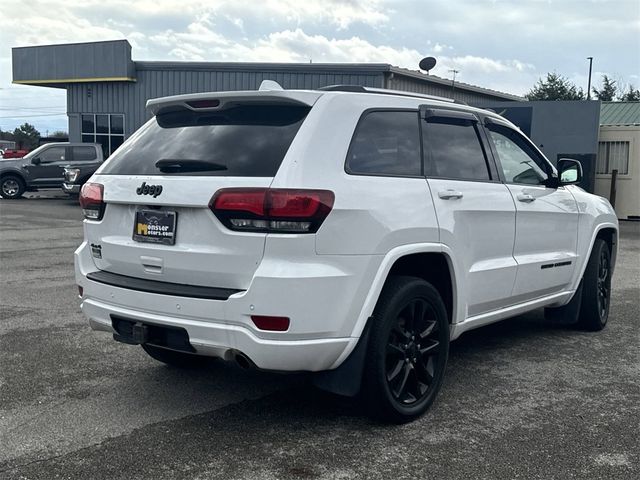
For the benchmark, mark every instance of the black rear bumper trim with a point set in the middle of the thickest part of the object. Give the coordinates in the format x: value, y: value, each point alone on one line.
x: 162, y: 288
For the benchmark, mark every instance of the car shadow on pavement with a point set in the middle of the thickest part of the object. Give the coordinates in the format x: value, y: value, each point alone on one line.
x: 312, y: 403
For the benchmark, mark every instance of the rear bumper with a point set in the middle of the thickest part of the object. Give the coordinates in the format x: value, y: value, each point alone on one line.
x: 323, y: 308
x: 220, y: 340
x: 71, y: 188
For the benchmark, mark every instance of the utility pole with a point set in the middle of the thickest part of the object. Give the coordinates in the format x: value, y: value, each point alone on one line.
x: 589, y: 84
x: 453, y: 82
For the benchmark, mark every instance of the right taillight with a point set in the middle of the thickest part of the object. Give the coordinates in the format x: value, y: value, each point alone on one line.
x: 277, y: 210
x: 91, y: 201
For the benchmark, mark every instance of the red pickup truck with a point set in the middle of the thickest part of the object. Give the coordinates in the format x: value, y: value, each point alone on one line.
x: 11, y: 153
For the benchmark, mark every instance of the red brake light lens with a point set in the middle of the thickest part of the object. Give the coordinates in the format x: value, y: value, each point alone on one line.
x: 92, y: 201
x: 250, y: 200
x: 204, y: 103
x: 272, y: 210
x: 274, y: 324
x: 298, y: 203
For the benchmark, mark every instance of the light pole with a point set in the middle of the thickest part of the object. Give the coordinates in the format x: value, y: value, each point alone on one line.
x: 589, y: 83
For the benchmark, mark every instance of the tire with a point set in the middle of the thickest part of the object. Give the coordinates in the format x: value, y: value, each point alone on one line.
x: 174, y: 358
x: 11, y: 187
x: 596, y: 285
x: 407, y: 351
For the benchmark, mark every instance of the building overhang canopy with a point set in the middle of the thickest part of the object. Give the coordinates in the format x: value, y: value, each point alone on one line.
x: 59, y: 65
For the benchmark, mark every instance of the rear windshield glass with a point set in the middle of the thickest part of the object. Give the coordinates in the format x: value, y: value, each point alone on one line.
x: 246, y: 141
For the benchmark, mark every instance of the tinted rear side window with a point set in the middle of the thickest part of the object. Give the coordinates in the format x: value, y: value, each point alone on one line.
x: 81, y: 154
x: 454, y: 150
x: 246, y: 141
x: 386, y: 143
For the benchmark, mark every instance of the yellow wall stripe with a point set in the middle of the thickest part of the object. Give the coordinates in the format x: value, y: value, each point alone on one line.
x: 76, y: 80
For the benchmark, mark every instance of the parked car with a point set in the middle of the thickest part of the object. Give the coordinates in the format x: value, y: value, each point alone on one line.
x: 347, y: 231
x: 43, y: 167
x: 13, y: 153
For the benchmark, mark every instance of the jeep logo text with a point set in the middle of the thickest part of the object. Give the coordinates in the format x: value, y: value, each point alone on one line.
x: 145, y: 189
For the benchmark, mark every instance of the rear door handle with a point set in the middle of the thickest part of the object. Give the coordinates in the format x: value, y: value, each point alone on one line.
x: 449, y: 194
x: 525, y: 197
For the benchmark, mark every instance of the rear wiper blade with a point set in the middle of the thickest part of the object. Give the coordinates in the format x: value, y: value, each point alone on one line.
x: 187, y: 165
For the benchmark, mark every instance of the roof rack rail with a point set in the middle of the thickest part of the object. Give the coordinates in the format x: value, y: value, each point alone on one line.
x: 385, y: 91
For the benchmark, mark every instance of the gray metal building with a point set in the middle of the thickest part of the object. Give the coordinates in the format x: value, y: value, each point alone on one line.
x: 107, y: 90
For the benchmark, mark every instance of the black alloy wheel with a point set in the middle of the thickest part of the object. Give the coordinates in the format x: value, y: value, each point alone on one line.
x: 412, y: 352
x: 407, y: 351
x: 604, y: 283
x: 596, y: 288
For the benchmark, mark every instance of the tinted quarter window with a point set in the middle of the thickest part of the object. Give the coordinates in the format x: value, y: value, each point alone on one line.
x: 53, y: 154
x: 83, y: 154
x: 453, y: 149
x: 247, y: 141
x: 519, y: 161
x: 386, y: 143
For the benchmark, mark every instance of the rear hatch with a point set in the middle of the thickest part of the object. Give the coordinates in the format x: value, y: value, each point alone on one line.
x: 158, y: 185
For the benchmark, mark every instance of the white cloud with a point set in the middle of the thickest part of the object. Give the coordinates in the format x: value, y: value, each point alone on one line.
x: 493, y: 44
x: 471, y: 64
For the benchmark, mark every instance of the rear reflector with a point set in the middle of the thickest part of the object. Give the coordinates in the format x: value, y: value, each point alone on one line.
x: 272, y: 210
x: 91, y: 201
x: 274, y: 324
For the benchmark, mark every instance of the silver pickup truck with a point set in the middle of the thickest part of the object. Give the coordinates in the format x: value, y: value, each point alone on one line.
x: 44, y: 167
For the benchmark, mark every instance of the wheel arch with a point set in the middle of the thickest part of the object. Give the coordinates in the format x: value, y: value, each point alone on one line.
x: 14, y: 173
x: 609, y: 233
x: 431, y: 261
x: 345, y: 375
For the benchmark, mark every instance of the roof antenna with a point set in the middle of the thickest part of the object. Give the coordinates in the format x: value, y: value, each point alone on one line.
x: 427, y: 63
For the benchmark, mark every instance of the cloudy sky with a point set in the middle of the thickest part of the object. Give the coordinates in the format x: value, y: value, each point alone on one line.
x: 499, y: 44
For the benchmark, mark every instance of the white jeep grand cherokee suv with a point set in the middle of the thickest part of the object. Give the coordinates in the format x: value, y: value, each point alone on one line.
x: 345, y: 231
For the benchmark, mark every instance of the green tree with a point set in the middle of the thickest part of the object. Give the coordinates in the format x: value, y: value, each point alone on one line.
x: 555, y: 87
x: 26, y: 136
x: 608, y: 90
x: 59, y: 134
x: 631, y: 95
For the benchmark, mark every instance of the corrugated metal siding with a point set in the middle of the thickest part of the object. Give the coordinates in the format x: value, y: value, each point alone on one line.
x: 620, y: 113
x: 130, y: 98
x: 408, y: 84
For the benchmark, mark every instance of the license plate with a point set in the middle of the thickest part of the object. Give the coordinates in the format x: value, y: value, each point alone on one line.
x: 155, y: 226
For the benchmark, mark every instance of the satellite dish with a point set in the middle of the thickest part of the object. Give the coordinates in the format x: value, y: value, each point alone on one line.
x: 427, y: 63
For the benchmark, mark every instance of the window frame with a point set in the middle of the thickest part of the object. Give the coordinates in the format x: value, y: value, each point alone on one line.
x: 363, y: 115
x: 492, y: 168
x: 547, y: 166
x: 109, y: 135
x: 629, y: 142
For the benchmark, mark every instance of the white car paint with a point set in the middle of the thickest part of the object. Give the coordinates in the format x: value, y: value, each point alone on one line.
x: 328, y: 283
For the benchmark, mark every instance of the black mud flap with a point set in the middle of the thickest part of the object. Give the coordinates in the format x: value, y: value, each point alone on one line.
x: 134, y: 332
x: 346, y: 380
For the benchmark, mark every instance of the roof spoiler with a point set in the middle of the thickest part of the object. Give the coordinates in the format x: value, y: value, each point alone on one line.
x: 214, y: 101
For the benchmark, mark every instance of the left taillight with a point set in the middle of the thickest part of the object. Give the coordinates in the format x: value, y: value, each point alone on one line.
x: 91, y: 201
x: 272, y: 210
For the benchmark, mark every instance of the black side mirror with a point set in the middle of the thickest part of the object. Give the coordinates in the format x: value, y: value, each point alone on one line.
x: 36, y: 161
x: 569, y: 171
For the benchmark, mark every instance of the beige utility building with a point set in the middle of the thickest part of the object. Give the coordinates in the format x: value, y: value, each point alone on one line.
x: 619, y: 149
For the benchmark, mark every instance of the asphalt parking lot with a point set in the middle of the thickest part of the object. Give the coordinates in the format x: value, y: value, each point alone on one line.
x: 522, y: 399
